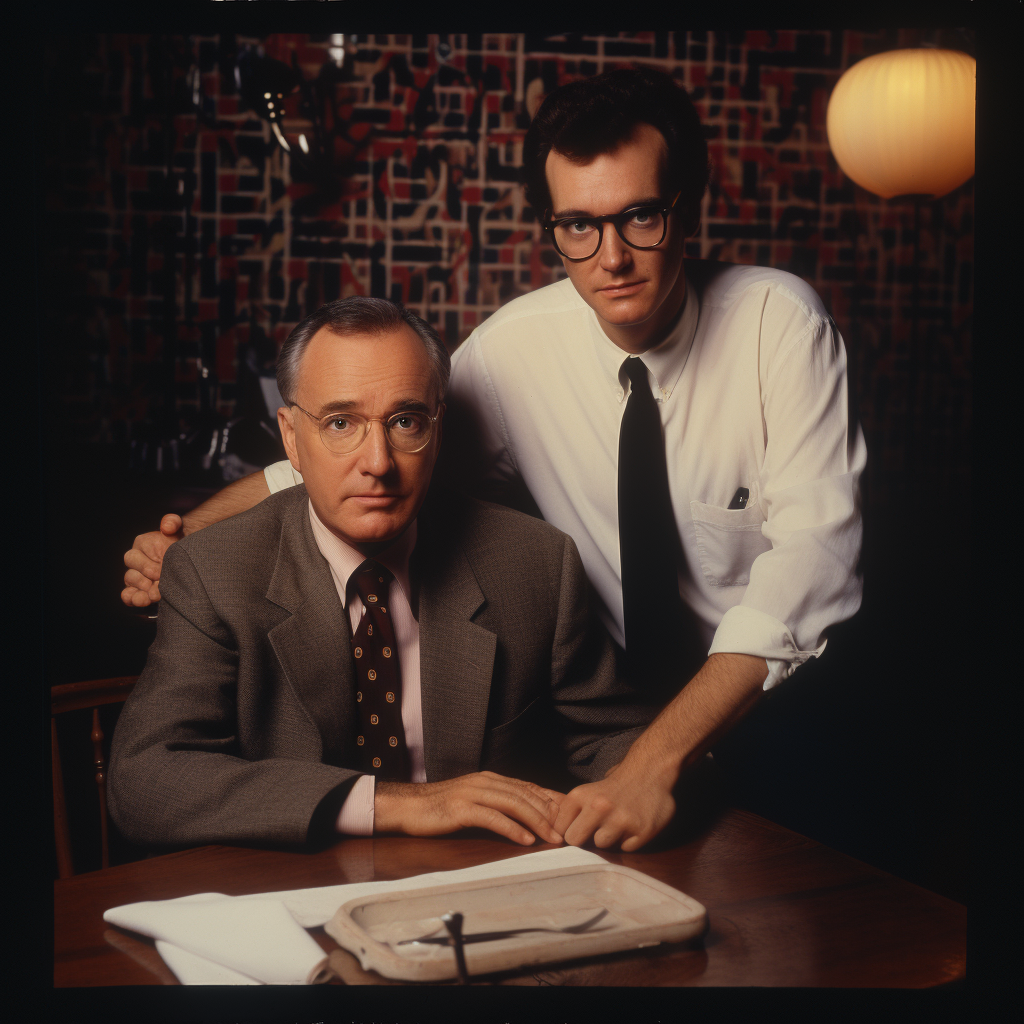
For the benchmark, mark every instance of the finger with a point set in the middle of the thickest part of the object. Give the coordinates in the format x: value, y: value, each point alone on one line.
x: 567, y: 813
x: 519, y: 803
x: 524, y: 808
x: 141, y: 562
x: 634, y: 843
x: 550, y: 800
x: 139, y: 585
x: 537, y: 796
x: 133, y: 578
x: 170, y: 524
x: 554, y: 796
x: 586, y: 824
x: 608, y: 835
x: 135, y: 598
x: 481, y: 816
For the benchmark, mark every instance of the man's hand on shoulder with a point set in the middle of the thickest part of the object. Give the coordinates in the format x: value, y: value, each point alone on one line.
x: 146, y: 557
x: 145, y: 560
x: 480, y: 800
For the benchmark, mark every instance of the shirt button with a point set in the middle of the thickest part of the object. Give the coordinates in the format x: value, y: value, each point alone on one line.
x: 374, y: 719
x: 376, y: 762
x: 390, y: 697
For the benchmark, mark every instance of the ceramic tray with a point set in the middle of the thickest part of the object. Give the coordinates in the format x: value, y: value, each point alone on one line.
x: 399, y: 934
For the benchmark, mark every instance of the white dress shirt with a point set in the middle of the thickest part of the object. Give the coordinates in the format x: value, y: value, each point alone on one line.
x: 751, y: 386
x: 356, y: 815
x: 752, y: 389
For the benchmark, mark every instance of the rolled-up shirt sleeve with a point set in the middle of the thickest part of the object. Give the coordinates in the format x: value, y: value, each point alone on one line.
x: 808, y: 491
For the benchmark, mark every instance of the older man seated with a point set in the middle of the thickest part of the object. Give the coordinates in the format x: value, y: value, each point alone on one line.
x: 351, y: 656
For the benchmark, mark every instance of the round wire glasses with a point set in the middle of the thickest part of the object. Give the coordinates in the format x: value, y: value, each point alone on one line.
x: 641, y: 227
x: 344, y: 432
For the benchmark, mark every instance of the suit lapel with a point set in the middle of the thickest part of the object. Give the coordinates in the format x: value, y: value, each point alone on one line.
x: 456, y: 665
x: 313, y: 644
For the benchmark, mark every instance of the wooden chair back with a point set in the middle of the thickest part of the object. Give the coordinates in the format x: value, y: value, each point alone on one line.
x: 72, y: 697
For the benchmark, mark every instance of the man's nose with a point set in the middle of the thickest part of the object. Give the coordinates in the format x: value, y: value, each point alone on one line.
x: 374, y: 452
x: 614, y: 255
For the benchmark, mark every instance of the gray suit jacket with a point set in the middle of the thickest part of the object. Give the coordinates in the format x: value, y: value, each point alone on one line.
x: 243, y: 722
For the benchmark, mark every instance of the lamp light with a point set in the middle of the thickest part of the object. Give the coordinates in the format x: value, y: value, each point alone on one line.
x: 902, y: 122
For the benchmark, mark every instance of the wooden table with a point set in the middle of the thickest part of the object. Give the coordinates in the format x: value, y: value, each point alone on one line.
x: 784, y: 910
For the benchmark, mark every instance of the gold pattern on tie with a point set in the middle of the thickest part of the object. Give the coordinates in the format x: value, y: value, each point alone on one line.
x: 379, y: 702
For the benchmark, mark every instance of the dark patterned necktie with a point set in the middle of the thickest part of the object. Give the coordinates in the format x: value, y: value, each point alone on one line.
x: 381, y: 736
x: 654, y: 618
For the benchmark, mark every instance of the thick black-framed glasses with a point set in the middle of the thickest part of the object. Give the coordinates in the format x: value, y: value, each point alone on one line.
x: 344, y: 432
x: 640, y: 227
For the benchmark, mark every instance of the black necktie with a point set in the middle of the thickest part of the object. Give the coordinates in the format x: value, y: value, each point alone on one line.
x: 654, y: 617
x: 378, y: 681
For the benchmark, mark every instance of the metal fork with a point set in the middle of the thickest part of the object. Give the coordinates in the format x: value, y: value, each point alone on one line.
x: 445, y: 940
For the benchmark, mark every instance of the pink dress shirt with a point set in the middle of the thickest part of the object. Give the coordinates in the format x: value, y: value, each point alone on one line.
x: 356, y: 816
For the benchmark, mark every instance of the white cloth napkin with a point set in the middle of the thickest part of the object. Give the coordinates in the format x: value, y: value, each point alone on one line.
x: 212, y: 939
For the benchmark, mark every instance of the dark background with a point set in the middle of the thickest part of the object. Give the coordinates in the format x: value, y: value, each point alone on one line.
x: 178, y: 245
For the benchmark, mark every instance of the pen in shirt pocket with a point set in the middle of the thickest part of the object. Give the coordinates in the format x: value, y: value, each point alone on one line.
x: 739, y: 499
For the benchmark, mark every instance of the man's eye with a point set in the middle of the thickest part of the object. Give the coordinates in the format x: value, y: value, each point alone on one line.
x: 642, y: 218
x: 580, y: 227
x: 338, y: 425
x: 407, y: 423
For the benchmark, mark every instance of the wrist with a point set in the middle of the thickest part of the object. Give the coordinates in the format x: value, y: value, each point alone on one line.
x: 655, y: 757
x: 390, y: 799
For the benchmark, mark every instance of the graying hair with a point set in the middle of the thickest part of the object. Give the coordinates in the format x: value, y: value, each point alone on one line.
x: 359, y: 315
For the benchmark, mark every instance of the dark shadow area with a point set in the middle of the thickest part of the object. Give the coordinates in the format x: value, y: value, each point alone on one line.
x: 864, y: 749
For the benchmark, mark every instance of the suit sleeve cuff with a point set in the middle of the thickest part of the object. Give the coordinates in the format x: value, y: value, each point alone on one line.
x: 356, y: 815
x: 280, y: 475
x: 745, y: 630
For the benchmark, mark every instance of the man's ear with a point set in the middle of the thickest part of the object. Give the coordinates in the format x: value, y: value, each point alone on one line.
x: 286, y: 421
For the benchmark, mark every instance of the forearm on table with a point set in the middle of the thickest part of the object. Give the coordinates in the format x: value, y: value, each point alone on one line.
x: 235, y: 498
x: 724, y: 689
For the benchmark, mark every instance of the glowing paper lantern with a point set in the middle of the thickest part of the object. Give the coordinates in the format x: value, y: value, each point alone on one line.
x: 902, y: 122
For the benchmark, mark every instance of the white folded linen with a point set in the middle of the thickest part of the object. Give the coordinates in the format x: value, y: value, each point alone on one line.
x: 213, y: 939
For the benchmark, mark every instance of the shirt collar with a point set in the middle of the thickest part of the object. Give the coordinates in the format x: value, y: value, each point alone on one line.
x: 345, y: 559
x: 665, y: 362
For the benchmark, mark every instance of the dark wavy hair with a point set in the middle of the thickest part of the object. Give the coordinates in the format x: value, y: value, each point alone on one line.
x: 359, y: 315
x: 585, y: 118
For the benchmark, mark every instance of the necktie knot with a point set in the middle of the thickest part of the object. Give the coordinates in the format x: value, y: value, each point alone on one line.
x: 371, y: 581
x: 636, y: 371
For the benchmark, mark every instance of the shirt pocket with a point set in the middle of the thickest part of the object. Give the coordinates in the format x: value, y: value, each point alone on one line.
x: 728, y: 541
